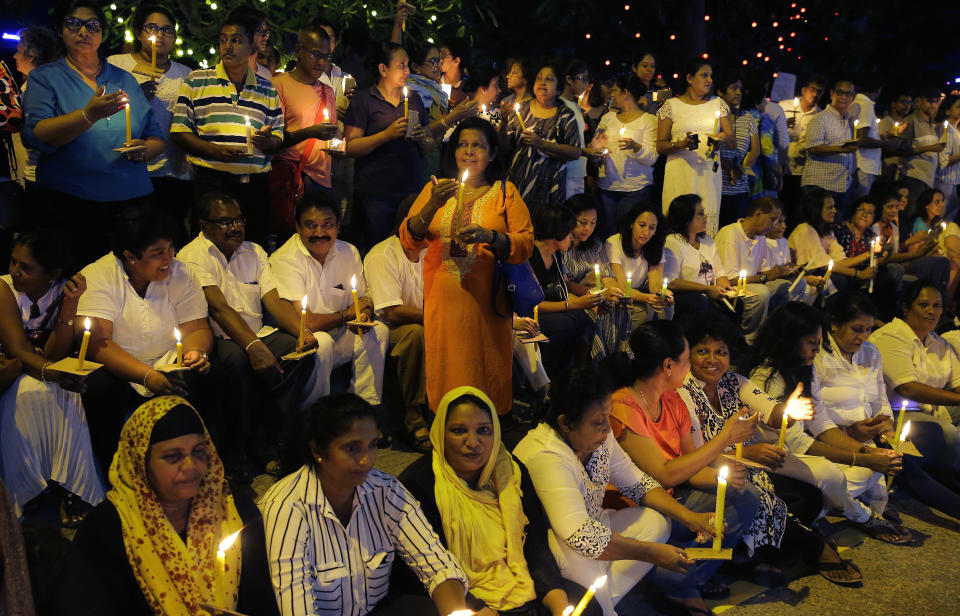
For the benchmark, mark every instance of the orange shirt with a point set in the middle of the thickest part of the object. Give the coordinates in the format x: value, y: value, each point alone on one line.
x: 674, y: 421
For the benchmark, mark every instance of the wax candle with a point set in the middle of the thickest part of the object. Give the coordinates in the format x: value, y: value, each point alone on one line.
x: 483, y: 110
x: 568, y: 610
x: 739, y: 450
x: 225, y: 545
x: 946, y: 125
x: 716, y: 124
x: 896, y: 128
x: 718, y: 513
x: 532, y: 356
x: 356, y: 300
x: 903, y: 437
x: 796, y: 104
x: 629, y: 285
x: 783, y: 428
x: 463, y: 186
x: 84, y: 343
x: 826, y: 278
x: 462, y: 613
x: 126, y: 113
x: 406, y: 103
x: 600, y: 581
x: 176, y: 334
x: 903, y: 414
x: 597, y: 283
x: 153, y: 42
x: 742, y: 283
x: 246, y: 121
x: 303, y: 323
x: 326, y: 116
x: 516, y: 108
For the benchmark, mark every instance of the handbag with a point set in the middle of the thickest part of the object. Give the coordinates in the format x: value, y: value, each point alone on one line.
x: 515, y: 286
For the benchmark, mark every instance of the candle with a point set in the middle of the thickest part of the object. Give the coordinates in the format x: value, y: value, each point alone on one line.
x: 463, y: 186
x: 796, y: 104
x: 629, y: 285
x: 597, y: 283
x: 462, y: 613
x: 718, y: 513
x: 600, y: 581
x: 483, y: 110
x: 783, y: 428
x: 716, y: 124
x: 126, y: 113
x: 176, y: 334
x: 946, y: 124
x: 739, y: 450
x: 84, y: 343
x: 326, y: 116
x: 896, y: 128
x: 225, y: 545
x: 532, y: 356
x: 826, y: 278
x: 246, y: 121
x: 406, y: 103
x: 356, y: 300
x: 903, y: 414
x: 623, y: 130
x: 742, y: 283
x: 153, y: 41
x: 303, y: 323
x: 906, y: 432
x: 663, y: 289
x: 516, y: 108
x: 568, y: 610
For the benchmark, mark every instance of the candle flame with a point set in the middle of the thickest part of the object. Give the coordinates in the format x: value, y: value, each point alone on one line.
x: 353, y: 282
x: 623, y: 129
x: 596, y: 268
x: 466, y: 174
x: 153, y: 39
x: 743, y: 273
x: 600, y: 581
x: 303, y: 303
x: 906, y: 431
x: 227, y: 542
x: 462, y: 613
x: 830, y: 266
x: 568, y: 610
x: 517, y: 107
x: 86, y: 324
x: 903, y: 405
x: 796, y: 102
x: 483, y: 109
x: 855, y: 122
x: 176, y: 334
x: 665, y: 281
x: 404, y: 91
x: 717, y: 113
x: 943, y: 226
x: 722, y: 473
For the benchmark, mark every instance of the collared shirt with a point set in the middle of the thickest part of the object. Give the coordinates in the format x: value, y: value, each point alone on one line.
x: 244, y: 280
x: 327, y: 285
x: 920, y: 132
x: 906, y: 359
x: 682, y: 260
x: 844, y: 391
x: 947, y: 173
x: 796, y: 150
x: 88, y: 167
x: 832, y: 172
x: 626, y: 170
x: 868, y: 159
x: 777, y: 253
x: 319, y: 567
x: 636, y: 267
x: 393, y: 279
x: 301, y: 104
x: 394, y: 167
x: 210, y: 107
x: 43, y: 304
x: 815, y: 251
x: 739, y: 252
x: 142, y: 326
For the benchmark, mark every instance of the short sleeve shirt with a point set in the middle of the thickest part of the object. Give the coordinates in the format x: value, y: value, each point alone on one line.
x: 392, y: 278
x: 326, y: 286
x: 673, y: 424
x: 688, y: 263
x: 636, y: 267
x: 739, y: 252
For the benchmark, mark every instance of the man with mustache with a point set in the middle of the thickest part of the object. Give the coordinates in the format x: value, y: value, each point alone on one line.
x: 315, y: 265
x: 253, y: 382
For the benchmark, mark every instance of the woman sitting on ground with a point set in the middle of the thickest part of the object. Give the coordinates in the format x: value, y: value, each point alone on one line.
x: 483, y: 501
x: 153, y: 544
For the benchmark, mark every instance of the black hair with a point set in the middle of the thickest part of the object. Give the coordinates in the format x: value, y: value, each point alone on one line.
x: 580, y: 203
x: 357, y: 39
x: 843, y: 79
x: 651, y: 344
x: 638, y: 56
x: 418, y: 52
x: 811, y: 209
x: 847, y: 306
x: 763, y: 204
x: 203, y: 205
x: 271, y: 52
x: 64, y: 9
x: 50, y: 249
x: 912, y: 292
x: 554, y: 222
x: 480, y: 77
x: 319, y: 201
x: 459, y: 48
x: 326, y: 420
x: 574, y: 392
x: 925, y: 199
x: 882, y: 193
x: 493, y: 172
x: 752, y: 93
x: 726, y: 79
x: 652, y: 251
x: 468, y: 399
x: 777, y: 345
x: 945, y: 106
x: 139, y: 226
x: 860, y: 201
x: 706, y: 325
x: 693, y: 66
x: 383, y: 54
x: 575, y: 67
x: 681, y: 213
x: 248, y: 12
x: 316, y: 26
x: 557, y: 72
x: 928, y: 92
x: 243, y: 18
x: 632, y: 84
x: 140, y: 18
x: 527, y: 67
x: 816, y: 78
x: 40, y: 44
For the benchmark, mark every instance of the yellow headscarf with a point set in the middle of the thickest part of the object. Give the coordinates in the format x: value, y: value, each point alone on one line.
x: 484, y: 528
x: 175, y: 577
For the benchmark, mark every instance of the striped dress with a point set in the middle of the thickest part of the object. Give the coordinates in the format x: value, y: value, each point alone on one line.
x: 612, y: 328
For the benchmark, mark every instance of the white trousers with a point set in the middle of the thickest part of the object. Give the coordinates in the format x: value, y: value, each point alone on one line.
x: 854, y: 490
x: 367, y: 352
x: 640, y: 523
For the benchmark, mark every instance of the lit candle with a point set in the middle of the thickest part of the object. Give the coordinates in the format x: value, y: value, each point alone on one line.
x: 742, y: 283
x: 718, y: 513
x: 896, y: 128
x: 629, y: 285
x: 623, y: 131
x: 903, y: 414
x: 462, y: 613
x: 663, y: 289
x: 126, y: 112
x: 597, y: 283
x: 826, y: 278
x: 463, y: 186
x: 84, y: 343
x: 874, y: 247
x: 796, y: 104
x: 303, y: 323
x: 176, y: 334
x: 447, y: 89
x: 906, y: 432
x: 716, y: 124
x: 568, y: 610
x: 153, y: 41
x: 356, y: 300
x: 225, y: 545
x: 783, y: 428
x: 406, y: 103
x: 483, y: 110
x: 946, y: 125
x: 246, y: 121
x: 326, y: 116
x: 600, y: 581
x: 516, y: 108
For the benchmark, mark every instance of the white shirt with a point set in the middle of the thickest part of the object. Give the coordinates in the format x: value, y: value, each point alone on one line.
x: 142, y: 326
x: 681, y: 260
x: 326, y: 286
x: 44, y: 303
x: 932, y: 362
x: 739, y: 252
x: 844, y: 391
x: 626, y: 170
x: 796, y: 439
x: 777, y: 253
x: 636, y: 267
x: 321, y: 568
x: 862, y: 109
x: 798, y: 133
x: 393, y: 279
x: 244, y: 280
x: 815, y: 251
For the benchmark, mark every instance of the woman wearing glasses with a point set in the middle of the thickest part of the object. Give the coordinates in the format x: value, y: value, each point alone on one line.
x: 170, y: 172
x: 74, y: 117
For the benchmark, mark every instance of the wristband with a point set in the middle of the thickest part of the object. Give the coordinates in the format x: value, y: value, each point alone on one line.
x: 42, y: 368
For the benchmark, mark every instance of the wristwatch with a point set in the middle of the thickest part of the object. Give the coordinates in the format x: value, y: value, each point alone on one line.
x: 763, y: 278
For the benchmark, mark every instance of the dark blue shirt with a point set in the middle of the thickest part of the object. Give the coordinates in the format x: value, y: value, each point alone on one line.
x: 394, y: 167
x: 87, y: 167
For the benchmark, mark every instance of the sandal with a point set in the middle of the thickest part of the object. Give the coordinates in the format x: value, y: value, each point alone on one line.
x: 418, y: 434
x: 893, y: 515
x: 713, y: 590
x: 886, y: 531
x: 72, y: 510
x: 825, y: 569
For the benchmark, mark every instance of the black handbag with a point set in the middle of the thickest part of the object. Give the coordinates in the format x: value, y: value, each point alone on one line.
x: 515, y: 286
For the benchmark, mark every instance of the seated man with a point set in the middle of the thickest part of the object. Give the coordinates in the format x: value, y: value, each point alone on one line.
x: 238, y: 284
x: 315, y: 265
x: 395, y: 277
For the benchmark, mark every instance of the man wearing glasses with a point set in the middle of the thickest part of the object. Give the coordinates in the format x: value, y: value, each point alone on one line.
x: 254, y: 384
x: 831, y: 160
x: 921, y: 143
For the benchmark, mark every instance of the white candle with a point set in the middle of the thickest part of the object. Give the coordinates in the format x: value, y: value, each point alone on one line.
x: 246, y: 121
x: 303, y: 323
x: 83, y: 343
x: 718, y: 512
x: 176, y: 334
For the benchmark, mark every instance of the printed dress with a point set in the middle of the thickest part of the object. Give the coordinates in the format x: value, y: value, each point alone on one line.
x: 613, y: 328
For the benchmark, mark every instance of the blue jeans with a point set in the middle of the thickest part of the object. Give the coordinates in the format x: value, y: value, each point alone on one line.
x: 614, y: 205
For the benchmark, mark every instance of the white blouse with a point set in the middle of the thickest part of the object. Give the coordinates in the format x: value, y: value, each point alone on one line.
x: 626, y: 170
x: 698, y: 119
x: 635, y: 267
x: 813, y: 250
x: 685, y: 262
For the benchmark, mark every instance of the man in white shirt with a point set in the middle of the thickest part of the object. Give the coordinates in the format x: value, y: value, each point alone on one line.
x: 238, y: 284
x: 395, y: 279
x: 867, y: 130
x: 315, y: 265
x: 922, y: 143
x: 798, y: 112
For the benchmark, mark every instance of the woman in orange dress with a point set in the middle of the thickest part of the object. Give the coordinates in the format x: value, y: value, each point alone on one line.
x: 467, y: 343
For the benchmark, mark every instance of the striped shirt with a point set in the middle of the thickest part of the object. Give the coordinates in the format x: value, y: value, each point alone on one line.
x: 744, y: 127
x: 947, y: 173
x: 210, y: 107
x: 319, y: 567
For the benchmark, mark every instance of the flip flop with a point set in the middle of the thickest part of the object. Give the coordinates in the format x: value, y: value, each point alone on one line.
x: 878, y: 528
x: 714, y: 590
x: 824, y: 569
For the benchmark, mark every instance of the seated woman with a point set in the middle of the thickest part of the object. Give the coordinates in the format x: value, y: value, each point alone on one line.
x: 153, y: 543
x: 44, y: 438
x: 572, y: 457
x: 651, y: 422
x: 336, y: 524
x: 138, y: 296
x: 636, y: 252
x: 564, y: 315
x: 580, y: 260
x: 484, y: 502
x: 715, y: 395
x: 929, y: 219
x: 857, y: 238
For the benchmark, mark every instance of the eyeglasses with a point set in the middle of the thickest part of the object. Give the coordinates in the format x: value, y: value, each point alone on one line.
x: 319, y: 56
x: 227, y: 223
x: 155, y: 29
x: 580, y: 77
x: 73, y: 24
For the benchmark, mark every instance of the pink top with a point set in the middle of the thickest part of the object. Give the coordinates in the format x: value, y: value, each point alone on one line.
x: 301, y: 104
x: 673, y: 423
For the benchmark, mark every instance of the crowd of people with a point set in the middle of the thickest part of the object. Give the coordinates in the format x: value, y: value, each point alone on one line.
x: 591, y: 303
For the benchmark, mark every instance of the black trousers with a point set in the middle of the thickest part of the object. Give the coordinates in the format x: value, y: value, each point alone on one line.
x: 570, y: 334
x: 252, y: 195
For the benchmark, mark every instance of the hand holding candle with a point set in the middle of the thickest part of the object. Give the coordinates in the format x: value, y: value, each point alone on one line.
x: 826, y: 278
x: 516, y: 108
x: 83, y: 343
x: 718, y: 512
x: 406, y: 103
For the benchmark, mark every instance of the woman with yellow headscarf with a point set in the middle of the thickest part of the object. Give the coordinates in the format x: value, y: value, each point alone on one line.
x: 154, y: 542
x: 483, y: 501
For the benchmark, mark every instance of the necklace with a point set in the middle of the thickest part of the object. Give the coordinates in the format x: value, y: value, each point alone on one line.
x: 92, y: 77
x: 646, y: 405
